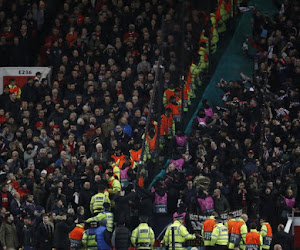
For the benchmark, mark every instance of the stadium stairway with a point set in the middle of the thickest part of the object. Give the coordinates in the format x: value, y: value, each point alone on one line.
x: 232, y: 61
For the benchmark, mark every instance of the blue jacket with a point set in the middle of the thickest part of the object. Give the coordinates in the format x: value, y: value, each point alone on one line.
x: 102, y: 245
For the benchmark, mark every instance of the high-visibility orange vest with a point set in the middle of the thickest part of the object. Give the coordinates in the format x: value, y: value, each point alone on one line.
x: 174, y: 108
x: 269, y: 233
x: 152, y: 141
x: 208, y: 225
x: 119, y: 160
x: 77, y: 232
x: 237, y: 227
x: 253, y: 238
x: 169, y: 93
x: 230, y: 225
x: 166, y: 125
x: 135, y: 155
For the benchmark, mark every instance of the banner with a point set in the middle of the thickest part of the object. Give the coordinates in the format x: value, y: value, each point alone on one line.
x: 20, y: 74
x: 197, y: 220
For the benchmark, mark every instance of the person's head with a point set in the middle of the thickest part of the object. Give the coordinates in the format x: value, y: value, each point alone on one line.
x: 253, y: 225
x: 94, y: 224
x: 241, y: 185
x: 218, y: 219
x: 9, y: 217
x: 280, y: 228
x: 180, y: 218
x: 244, y: 217
x: 4, y: 188
x: 143, y: 219
x: 27, y: 220
x: 101, y: 189
x: 289, y: 192
x: 2, y: 211
x: 230, y: 216
x: 189, y: 184
x: 262, y: 220
x: 87, y: 185
x: 106, y: 206
x: 277, y: 247
x: 217, y: 193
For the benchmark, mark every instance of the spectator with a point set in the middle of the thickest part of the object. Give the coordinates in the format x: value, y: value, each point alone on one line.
x: 8, y: 235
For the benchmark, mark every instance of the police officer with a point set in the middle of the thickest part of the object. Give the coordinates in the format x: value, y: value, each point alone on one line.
x: 97, y: 201
x: 253, y: 238
x: 89, y: 237
x: 143, y: 236
x: 181, y: 234
x: 208, y: 226
x: 219, y: 236
x: 107, y: 215
x: 266, y: 233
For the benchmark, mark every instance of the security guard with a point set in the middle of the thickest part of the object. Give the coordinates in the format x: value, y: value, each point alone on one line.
x: 89, y: 237
x: 107, y: 215
x: 208, y: 226
x: 76, y: 236
x: 238, y: 232
x: 229, y: 223
x: 219, y: 236
x: 97, y: 201
x: 266, y: 233
x: 143, y: 236
x: 113, y: 183
x: 181, y: 234
x: 253, y: 238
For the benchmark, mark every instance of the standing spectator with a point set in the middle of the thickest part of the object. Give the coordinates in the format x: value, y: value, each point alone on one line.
x: 221, y: 204
x: 8, y: 233
x: 5, y: 197
x: 44, y: 234
x: 121, y: 236
x: 282, y: 238
x: 26, y: 233
x: 61, y: 232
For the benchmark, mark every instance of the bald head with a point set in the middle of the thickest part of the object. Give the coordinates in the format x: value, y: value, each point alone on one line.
x: 244, y: 217
x: 277, y: 247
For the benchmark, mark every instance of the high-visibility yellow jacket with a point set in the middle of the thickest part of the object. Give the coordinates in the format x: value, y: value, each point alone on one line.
x: 266, y: 233
x: 108, y: 216
x: 181, y: 234
x: 96, y: 204
x: 89, y: 239
x: 143, y: 237
x: 219, y: 235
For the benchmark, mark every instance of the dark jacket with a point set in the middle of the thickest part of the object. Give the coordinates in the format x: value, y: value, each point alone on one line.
x: 121, y: 238
x: 61, y: 234
x: 15, y: 207
x: 284, y: 239
x: 85, y: 196
x: 221, y: 205
x: 26, y: 235
x: 44, y: 237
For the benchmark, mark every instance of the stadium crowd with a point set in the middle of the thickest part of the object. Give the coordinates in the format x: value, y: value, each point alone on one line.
x: 70, y: 148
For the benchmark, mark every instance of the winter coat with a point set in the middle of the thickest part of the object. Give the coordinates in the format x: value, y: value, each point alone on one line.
x: 27, y: 235
x: 284, y: 239
x: 221, y: 205
x: 121, y: 238
x: 8, y: 235
x: 61, y: 234
x: 44, y: 238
